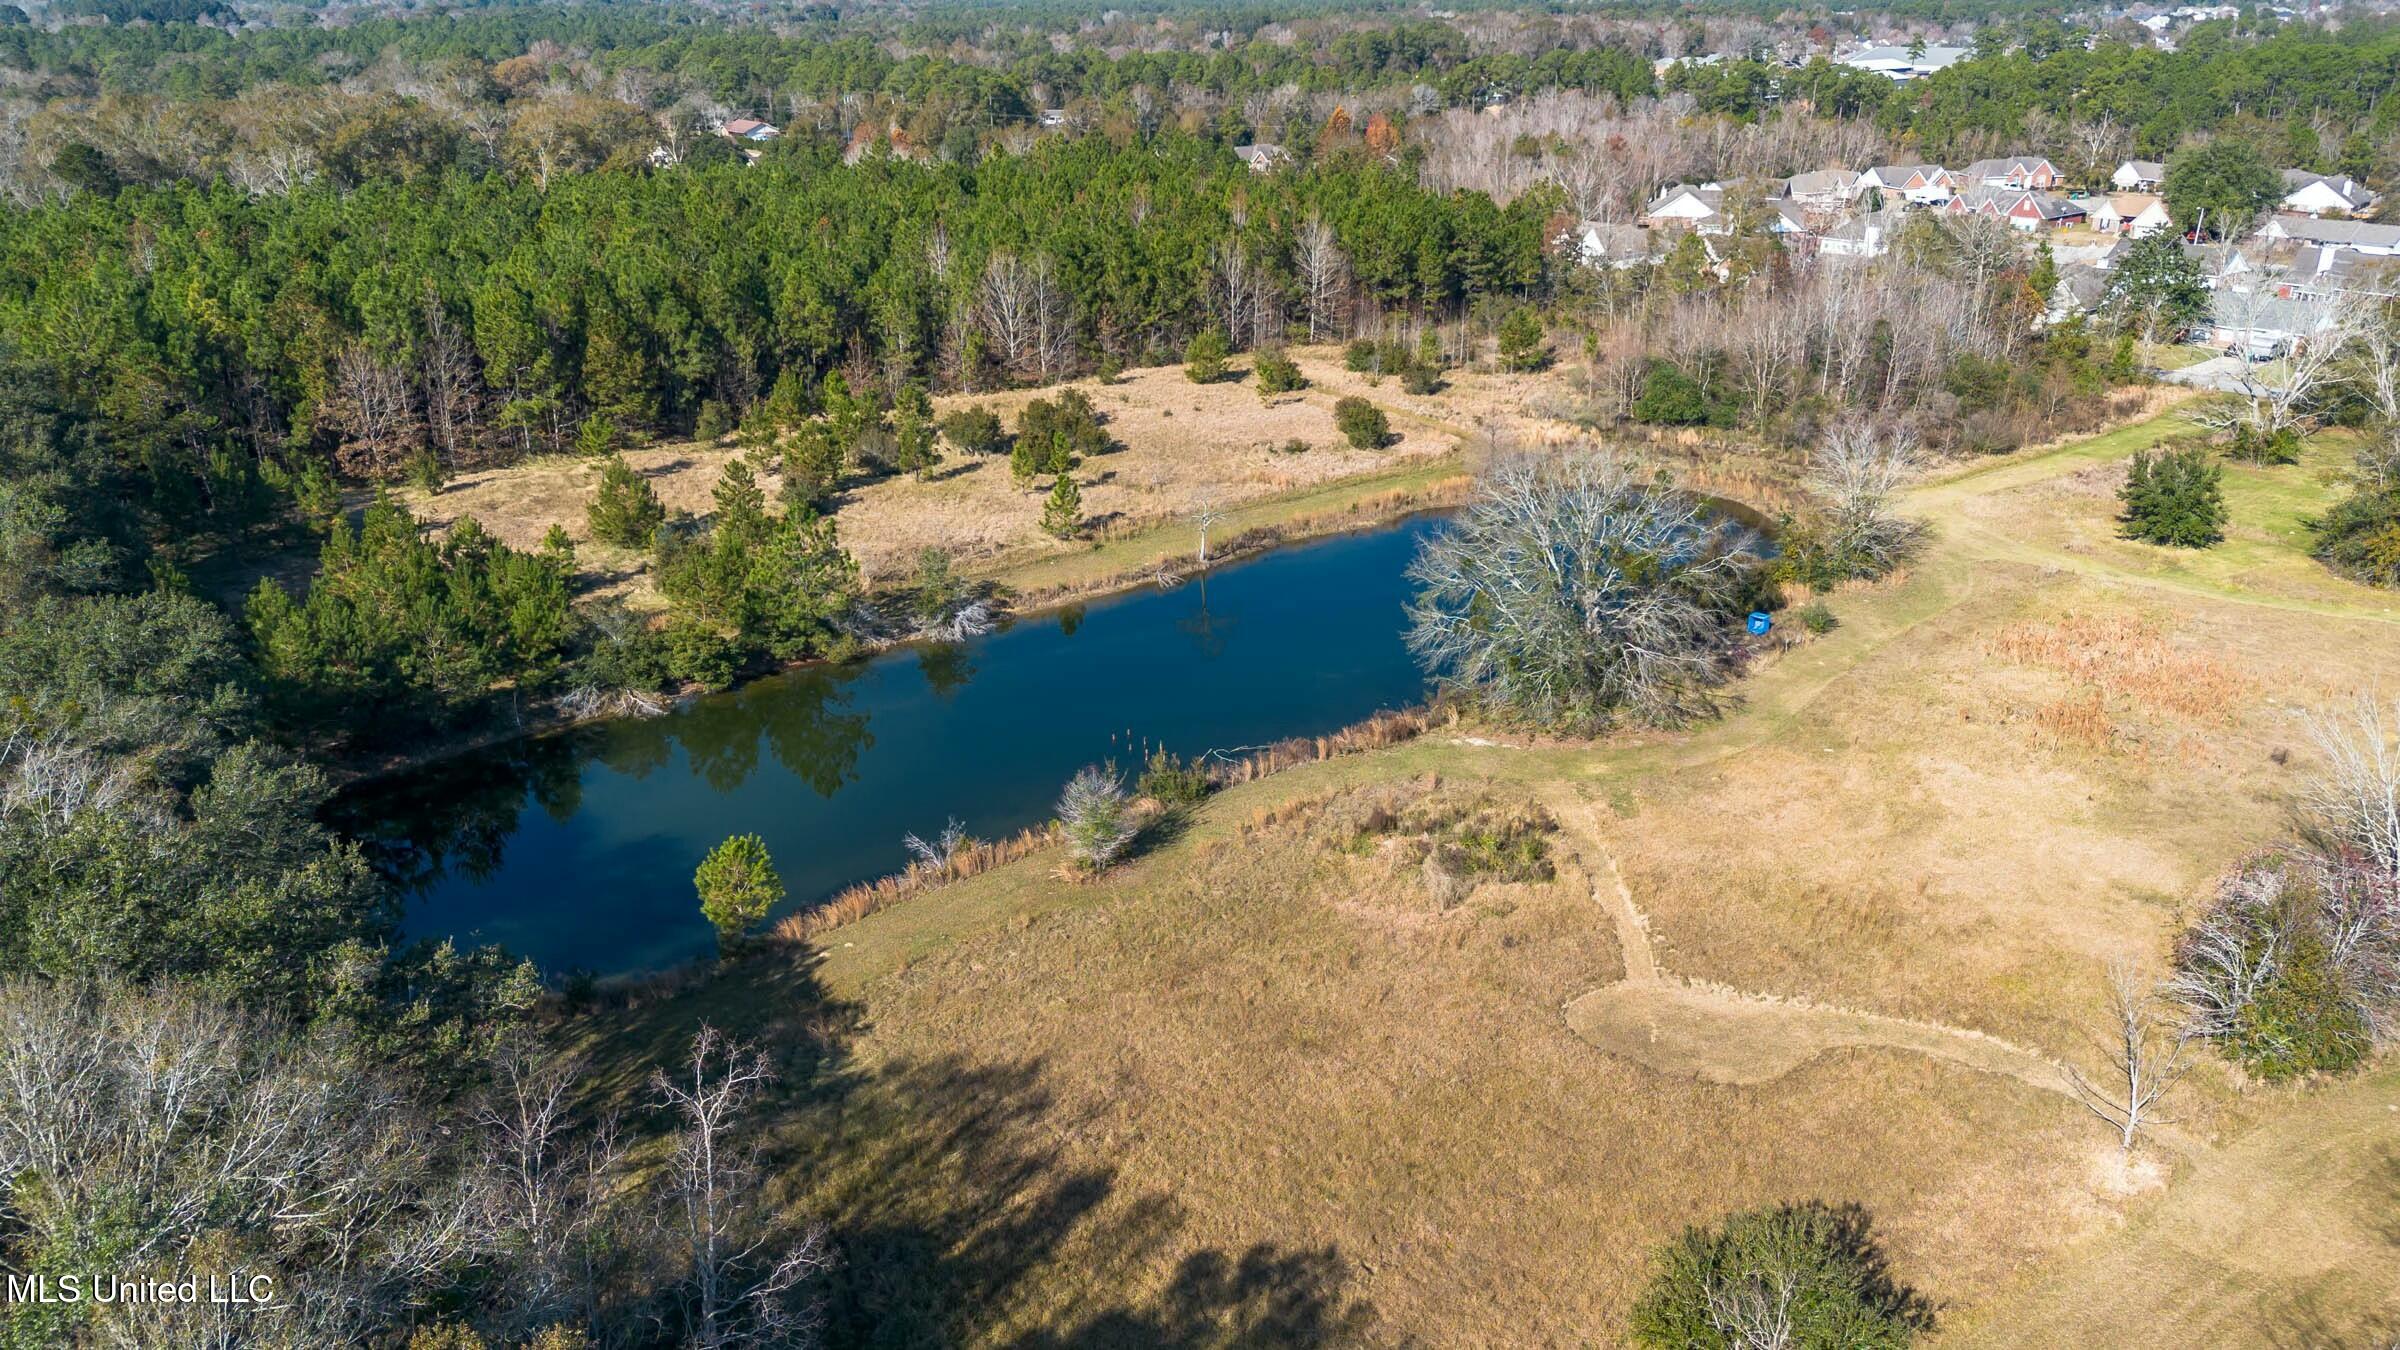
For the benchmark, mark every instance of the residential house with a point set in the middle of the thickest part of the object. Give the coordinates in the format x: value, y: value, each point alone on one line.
x: 1868, y: 234
x: 1922, y: 184
x: 1823, y: 190
x: 2138, y: 214
x: 751, y: 129
x: 1617, y: 246
x: 1906, y: 63
x: 2022, y: 210
x: 1262, y: 158
x: 2316, y: 194
x: 2139, y: 175
x: 2030, y: 172
x: 2080, y: 288
x: 2379, y: 241
x: 2221, y: 264
x: 2263, y: 322
x: 2318, y: 272
x: 1688, y: 206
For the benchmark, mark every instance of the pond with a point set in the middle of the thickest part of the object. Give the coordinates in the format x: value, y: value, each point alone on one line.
x: 577, y: 849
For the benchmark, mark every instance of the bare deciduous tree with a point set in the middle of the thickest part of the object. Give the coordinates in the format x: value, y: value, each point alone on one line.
x: 2354, y: 802
x: 1023, y: 308
x: 1574, y: 590
x: 1857, y: 468
x: 742, y: 1277
x: 1324, y: 277
x: 1754, y: 1311
x: 2144, y: 1052
x: 375, y: 408
x: 2273, y: 396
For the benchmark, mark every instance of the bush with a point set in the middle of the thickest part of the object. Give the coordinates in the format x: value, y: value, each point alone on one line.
x: 1278, y: 373
x: 1817, y: 617
x: 1359, y: 356
x: 1814, y: 1264
x: 1361, y: 423
x: 2260, y: 971
x: 1420, y: 378
x: 2360, y: 537
x: 1096, y: 817
x: 2176, y: 498
x: 1204, y: 357
x: 1670, y: 398
x: 625, y: 511
x: 597, y: 436
x: 738, y: 886
x: 2252, y: 446
x: 975, y: 431
x: 713, y: 423
x: 1052, y: 437
x: 1295, y: 446
x: 1167, y: 778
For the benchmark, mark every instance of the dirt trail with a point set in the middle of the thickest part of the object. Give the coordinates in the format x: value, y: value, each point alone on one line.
x: 1702, y: 1030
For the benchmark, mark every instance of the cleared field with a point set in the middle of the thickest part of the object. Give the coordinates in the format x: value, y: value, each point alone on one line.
x: 1180, y: 445
x: 1271, y: 1085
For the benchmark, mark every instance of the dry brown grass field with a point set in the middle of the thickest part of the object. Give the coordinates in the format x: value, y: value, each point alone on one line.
x: 1180, y: 445
x: 1277, y: 1081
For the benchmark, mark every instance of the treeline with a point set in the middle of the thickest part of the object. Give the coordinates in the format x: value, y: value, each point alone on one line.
x: 230, y: 344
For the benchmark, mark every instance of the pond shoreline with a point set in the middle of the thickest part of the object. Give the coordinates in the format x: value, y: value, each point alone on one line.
x: 1370, y: 512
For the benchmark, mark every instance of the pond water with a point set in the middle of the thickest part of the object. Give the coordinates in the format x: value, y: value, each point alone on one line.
x: 577, y: 849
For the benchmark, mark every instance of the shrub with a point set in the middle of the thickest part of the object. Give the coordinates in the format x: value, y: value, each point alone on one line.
x: 713, y: 422
x: 425, y: 472
x: 1670, y: 398
x: 625, y: 511
x: 1812, y: 1268
x: 738, y: 886
x: 2261, y: 974
x: 1521, y: 341
x: 1053, y: 436
x: 1167, y: 778
x: 2176, y: 498
x: 2360, y: 537
x: 2253, y: 446
x: 1204, y: 357
x: 975, y: 431
x: 1062, y: 512
x: 1420, y: 378
x: 1391, y: 356
x: 1359, y: 356
x: 1295, y: 446
x: 1817, y: 617
x: 1278, y: 373
x: 1097, y: 819
x: 1361, y: 423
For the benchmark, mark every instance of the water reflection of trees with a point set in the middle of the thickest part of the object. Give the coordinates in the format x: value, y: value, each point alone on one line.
x: 458, y: 816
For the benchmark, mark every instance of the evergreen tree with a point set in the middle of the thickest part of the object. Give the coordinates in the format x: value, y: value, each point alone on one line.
x: 738, y: 887
x: 913, y: 433
x: 2155, y: 290
x: 2174, y: 498
x: 625, y: 511
x: 741, y: 504
x: 2219, y: 188
x: 1204, y: 357
x: 1062, y: 512
x: 1278, y: 373
x: 1521, y: 340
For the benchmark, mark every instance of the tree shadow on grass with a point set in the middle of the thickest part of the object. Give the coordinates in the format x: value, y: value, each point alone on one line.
x: 957, y: 1208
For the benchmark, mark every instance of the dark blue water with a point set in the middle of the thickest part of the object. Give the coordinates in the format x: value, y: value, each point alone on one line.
x: 577, y: 849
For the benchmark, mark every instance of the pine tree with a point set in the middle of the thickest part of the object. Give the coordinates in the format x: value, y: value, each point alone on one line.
x: 1062, y: 514
x: 2175, y: 498
x: 1204, y: 358
x: 1521, y: 340
x: 741, y: 504
x: 738, y: 885
x: 626, y: 510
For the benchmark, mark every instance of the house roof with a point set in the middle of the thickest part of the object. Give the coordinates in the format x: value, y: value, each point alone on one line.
x: 2145, y: 170
x: 1712, y: 197
x: 1261, y: 153
x: 2055, y: 208
x: 2355, y: 233
x: 1981, y: 195
x: 2131, y: 204
x: 1854, y: 230
x: 1617, y: 243
x: 2265, y: 314
x: 1931, y: 58
x: 1819, y: 183
x: 1893, y: 175
x: 744, y: 126
x: 2082, y: 283
x: 2002, y: 168
x: 2350, y: 190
